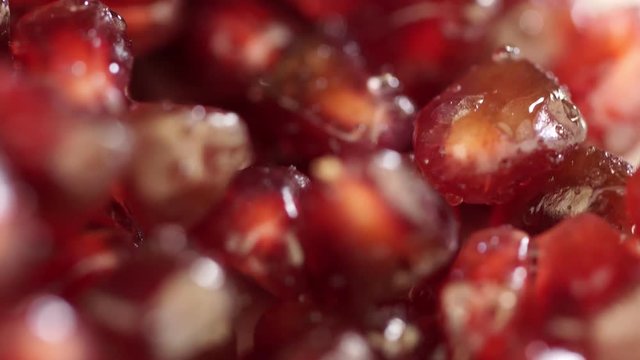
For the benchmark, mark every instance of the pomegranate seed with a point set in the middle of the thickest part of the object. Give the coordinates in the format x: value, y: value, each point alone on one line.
x: 236, y: 41
x: 604, y: 37
x: 53, y: 147
x: 370, y: 229
x: 90, y: 257
x: 141, y: 306
x: 80, y: 47
x: 325, y: 102
x: 581, y: 266
x: 586, y: 180
x: 183, y: 160
x: 253, y: 227
x: 494, y: 130
x: 427, y: 44
x: 481, y: 300
x: 583, y: 270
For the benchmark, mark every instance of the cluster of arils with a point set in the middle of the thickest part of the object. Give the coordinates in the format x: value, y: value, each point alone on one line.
x: 319, y: 180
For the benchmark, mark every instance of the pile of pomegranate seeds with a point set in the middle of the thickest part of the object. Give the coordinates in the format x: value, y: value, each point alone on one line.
x: 319, y: 179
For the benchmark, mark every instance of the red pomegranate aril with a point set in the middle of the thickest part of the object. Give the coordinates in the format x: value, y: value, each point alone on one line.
x: 89, y: 257
x: 593, y: 48
x: 78, y: 46
x: 252, y: 228
x: 46, y: 327
x: 157, y: 306
x: 326, y: 102
x: 150, y: 23
x: 587, y: 179
x: 235, y: 41
x: 183, y: 160
x: 484, y: 293
x: 68, y: 157
x: 582, y: 265
x: 583, y: 270
x: 495, y: 129
x: 494, y: 255
x: 371, y: 229
x: 427, y: 44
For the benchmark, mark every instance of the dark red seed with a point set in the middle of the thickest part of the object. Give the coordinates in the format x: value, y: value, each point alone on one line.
x: 79, y: 46
x: 321, y: 99
x: 586, y: 179
x: 253, y: 228
x: 495, y: 129
x: 141, y: 307
x: 483, y: 296
x: 371, y: 229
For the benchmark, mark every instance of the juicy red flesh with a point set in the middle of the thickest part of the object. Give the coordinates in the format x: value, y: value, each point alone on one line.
x: 237, y: 41
x: 252, y: 226
x: 422, y: 41
x: 584, y: 272
x: 51, y: 145
x: 593, y: 50
x: 80, y: 46
x: 570, y: 260
x: 167, y: 288
x: 322, y: 100
x: 365, y: 237
x: 586, y: 180
x: 495, y: 129
x: 484, y: 293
